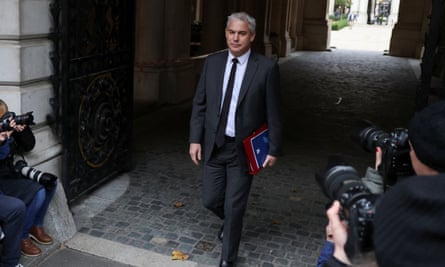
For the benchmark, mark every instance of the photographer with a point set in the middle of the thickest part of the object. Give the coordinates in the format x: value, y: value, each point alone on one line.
x: 408, y: 223
x: 373, y: 181
x: 17, y: 139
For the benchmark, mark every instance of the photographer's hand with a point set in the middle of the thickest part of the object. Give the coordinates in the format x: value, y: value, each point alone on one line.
x: 16, y: 127
x: 3, y: 136
x: 339, y: 232
x: 378, y: 157
x: 329, y: 236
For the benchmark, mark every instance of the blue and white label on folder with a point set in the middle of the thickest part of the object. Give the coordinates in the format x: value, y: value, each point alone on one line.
x: 260, y: 146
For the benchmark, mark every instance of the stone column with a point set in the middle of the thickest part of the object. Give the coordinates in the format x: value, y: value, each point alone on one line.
x: 259, y: 9
x: 214, y: 18
x: 268, y: 49
x: 315, y: 25
x: 296, y: 27
x: 163, y: 70
x: 408, y: 33
x: 25, y: 69
x: 280, y: 27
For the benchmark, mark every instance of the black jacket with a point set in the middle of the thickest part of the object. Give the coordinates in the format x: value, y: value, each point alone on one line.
x: 11, y: 182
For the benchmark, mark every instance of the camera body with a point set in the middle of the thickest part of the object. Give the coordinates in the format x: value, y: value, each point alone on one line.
x: 396, y: 162
x: 341, y: 182
x: 24, y: 119
x: 48, y: 180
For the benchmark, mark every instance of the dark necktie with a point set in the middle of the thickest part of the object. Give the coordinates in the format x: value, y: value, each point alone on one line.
x: 221, y: 132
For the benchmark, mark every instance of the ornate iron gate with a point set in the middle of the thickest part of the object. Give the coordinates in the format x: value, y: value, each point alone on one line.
x: 93, y: 89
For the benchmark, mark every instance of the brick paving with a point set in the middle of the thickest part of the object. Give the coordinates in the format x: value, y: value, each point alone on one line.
x: 325, y: 93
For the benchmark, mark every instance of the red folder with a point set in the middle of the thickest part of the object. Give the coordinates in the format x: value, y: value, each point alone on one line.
x: 256, y: 146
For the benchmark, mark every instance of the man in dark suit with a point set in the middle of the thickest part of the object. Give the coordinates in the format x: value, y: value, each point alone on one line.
x: 251, y: 85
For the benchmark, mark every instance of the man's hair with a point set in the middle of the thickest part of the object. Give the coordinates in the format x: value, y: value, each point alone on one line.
x: 3, y: 108
x: 243, y: 16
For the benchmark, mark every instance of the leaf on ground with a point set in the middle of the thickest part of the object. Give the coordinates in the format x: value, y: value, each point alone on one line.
x: 179, y: 255
x: 178, y: 204
x: 276, y: 222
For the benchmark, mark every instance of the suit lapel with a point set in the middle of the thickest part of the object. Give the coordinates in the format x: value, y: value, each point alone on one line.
x: 220, y: 79
x: 252, y: 66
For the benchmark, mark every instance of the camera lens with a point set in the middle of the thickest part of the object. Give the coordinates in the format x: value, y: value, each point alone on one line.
x: 27, y: 119
x: 341, y: 182
x: 337, y: 178
x: 370, y: 136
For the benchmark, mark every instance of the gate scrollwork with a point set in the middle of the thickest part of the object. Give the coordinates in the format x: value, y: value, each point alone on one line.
x: 100, y: 114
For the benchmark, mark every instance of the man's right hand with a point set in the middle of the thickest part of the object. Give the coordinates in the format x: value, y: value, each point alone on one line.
x: 195, y: 152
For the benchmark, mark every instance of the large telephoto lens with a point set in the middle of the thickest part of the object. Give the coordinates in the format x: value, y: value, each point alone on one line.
x: 369, y: 136
x: 341, y: 182
x: 338, y: 178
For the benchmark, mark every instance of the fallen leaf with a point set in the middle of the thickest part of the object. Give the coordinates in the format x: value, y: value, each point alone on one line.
x: 339, y: 99
x: 179, y: 255
x: 294, y: 198
x: 179, y: 204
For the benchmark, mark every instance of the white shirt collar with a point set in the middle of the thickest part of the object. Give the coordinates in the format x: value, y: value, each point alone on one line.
x: 242, y: 59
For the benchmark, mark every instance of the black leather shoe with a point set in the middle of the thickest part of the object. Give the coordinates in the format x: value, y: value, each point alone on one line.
x: 224, y: 263
x: 221, y: 233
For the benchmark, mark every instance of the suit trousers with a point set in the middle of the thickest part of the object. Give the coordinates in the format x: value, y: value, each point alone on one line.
x: 226, y: 188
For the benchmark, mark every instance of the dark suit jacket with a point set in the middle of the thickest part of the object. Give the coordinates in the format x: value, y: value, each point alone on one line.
x: 259, y: 101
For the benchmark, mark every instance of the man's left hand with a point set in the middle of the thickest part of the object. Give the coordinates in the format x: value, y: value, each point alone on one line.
x: 270, y: 161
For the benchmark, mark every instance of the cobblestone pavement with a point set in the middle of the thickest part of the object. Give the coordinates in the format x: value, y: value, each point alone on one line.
x: 325, y: 94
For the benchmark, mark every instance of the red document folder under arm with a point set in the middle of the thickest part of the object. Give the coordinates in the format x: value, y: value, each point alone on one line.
x: 256, y: 146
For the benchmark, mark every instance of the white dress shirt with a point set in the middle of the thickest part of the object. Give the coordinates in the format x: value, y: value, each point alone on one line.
x: 240, y: 70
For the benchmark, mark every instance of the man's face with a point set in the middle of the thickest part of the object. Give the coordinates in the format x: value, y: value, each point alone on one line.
x: 3, y: 110
x: 238, y: 37
x: 414, y: 160
x: 419, y: 167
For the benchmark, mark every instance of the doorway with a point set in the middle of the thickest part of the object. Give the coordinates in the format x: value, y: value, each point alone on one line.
x: 367, y: 25
x: 362, y: 37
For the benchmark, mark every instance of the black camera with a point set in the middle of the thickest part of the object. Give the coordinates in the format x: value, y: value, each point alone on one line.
x: 396, y: 162
x: 341, y: 182
x: 24, y: 119
x: 48, y: 180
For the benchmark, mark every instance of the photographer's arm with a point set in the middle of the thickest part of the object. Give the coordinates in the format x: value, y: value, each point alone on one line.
x: 339, y: 237
x: 373, y: 180
x: 24, y: 136
x: 378, y: 157
x: 327, y: 250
